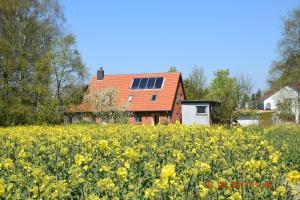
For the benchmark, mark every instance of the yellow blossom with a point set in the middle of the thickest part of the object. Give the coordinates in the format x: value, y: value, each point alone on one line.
x: 281, y: 190
x: 79, y: 159
x: 122, y: 172
x: 235, y: 196
x: 168, y: 171
x: 106, y: 183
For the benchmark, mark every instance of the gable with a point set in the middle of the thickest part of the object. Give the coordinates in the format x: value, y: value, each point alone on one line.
x: 285, y: 92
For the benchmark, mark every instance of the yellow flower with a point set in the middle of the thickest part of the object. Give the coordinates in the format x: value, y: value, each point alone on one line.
x: 2, y: 188
x: 103, y: 144
x: 150, y: 192
x: 235, y: 196
x: 8, y: 163
x: 202, y: 191
x: 281, y: 190
x: 204, y: 167
x: 122, y: 172
x: 168, y: 171
x: 274, y: 157
x: 104, y: 168
x: 130, y: 153
x: 79, y: 159
x: 162, y: 183
x: 93, y: 197
x: 293, y: 176
x: 105, y: 183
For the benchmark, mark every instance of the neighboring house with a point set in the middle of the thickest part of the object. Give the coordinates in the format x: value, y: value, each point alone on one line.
x: 272, y: 98
x: 197, y: 112
x: 152, y: 97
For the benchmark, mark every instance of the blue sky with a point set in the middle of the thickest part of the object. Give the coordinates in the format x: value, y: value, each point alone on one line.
x: 132, y: 36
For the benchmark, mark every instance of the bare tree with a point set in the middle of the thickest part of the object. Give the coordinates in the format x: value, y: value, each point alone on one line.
x: 244, y: 89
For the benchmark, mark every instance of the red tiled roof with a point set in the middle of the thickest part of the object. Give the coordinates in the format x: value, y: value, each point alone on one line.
x: 141, y: 97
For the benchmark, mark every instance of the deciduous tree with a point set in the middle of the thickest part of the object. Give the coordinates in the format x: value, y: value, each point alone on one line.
x: 224, y: 90
x: 286, y: 70
x: 195, y: 84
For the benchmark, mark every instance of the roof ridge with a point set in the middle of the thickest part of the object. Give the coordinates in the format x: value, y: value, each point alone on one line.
x: 142, y: 73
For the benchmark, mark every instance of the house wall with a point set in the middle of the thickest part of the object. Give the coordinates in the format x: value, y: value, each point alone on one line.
x: 284, y: 93
x: 190, y: 116
x: 147, y: 118
x: 176, y: 114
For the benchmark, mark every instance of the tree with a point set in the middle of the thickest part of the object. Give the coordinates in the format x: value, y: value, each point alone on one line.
x: 27, y: 29
x: 195, y: 84
x: 106, y: 107
x: 244, y: 89
x: 68, y: 70
x: 31, y: 34
x: 284, y: 110
x: 286, y: 71
x: 173, y: 69
x: 255, y: 101
x: 259, y: 101
x: 224, y: 90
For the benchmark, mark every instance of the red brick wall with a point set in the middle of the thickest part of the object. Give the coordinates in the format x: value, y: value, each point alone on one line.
x: 176, y: 113
x: 147, y: 117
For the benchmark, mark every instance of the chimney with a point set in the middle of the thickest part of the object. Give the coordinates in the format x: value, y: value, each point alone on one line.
x: 100, y: 74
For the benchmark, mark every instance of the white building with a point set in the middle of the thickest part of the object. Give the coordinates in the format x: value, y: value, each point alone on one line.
x: 197, y: 112
x: 248, y: 120
x: 271, y: 99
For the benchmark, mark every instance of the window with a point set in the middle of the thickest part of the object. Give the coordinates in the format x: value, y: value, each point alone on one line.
x: 138, y: 119
x: 153, y: 97
x: 147, y: 83
x: 268, y: 106
x: 158, y: 82
x: 201, y: 109
x: 130, y: 98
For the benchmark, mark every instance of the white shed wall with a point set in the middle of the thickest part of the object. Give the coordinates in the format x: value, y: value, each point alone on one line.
x: 190, y: 116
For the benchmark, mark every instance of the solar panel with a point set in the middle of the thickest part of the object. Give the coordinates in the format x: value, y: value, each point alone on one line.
x: 143, y: 83
x: 147, y: 83
x: 151, y: 83
x: 158, y: 82
x: 135, y: 83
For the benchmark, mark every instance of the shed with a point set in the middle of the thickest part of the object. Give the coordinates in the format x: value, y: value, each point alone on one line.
x: 197, y: 112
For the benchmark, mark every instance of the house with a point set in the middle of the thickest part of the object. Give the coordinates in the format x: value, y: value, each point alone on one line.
x: 272, y: 98
x: 197, y: 112
x: 152, y: 97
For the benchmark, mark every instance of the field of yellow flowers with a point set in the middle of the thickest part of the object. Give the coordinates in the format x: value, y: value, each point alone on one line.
x: 142, y: 162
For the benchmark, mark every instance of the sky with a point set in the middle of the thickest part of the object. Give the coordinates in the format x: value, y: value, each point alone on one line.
x: 138, y: 36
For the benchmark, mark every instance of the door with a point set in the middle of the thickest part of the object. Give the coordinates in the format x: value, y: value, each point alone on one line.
x: 155, y: 119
